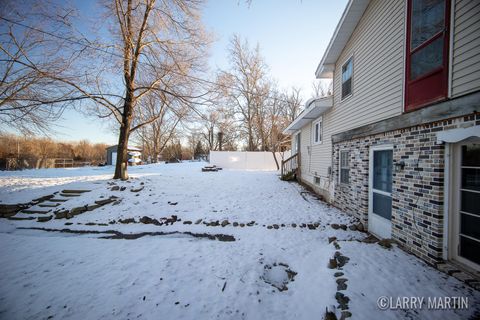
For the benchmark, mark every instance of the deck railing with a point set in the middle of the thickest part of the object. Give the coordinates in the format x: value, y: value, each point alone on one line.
x: 290, y: 167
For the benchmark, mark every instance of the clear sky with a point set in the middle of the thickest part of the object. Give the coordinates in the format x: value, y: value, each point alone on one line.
x: 292, y: 34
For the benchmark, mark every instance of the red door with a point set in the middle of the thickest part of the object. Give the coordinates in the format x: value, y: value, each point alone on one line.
x: 427, y: 52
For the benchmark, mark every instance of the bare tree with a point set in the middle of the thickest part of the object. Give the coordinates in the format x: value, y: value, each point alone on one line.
x: 154, y: 136
x: 293, y: 103
x: 247, y: 87
x: 217, y: 122
x: 321, y: 88
x: 29, y: 99
x: 156, y: 45
x: 158, y: 41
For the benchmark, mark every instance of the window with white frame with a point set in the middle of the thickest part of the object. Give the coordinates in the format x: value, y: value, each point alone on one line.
x: 347, y: 75
x: 344, y: 167
x: 317, y: 131
x: 296, y: 143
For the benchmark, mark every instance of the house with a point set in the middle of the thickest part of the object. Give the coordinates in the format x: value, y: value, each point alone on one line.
x: 397, y: 144
x: 134, y: 155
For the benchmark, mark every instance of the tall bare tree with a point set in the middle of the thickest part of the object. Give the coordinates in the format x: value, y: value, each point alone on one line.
x: 247, y: 87
x: 159, y: 41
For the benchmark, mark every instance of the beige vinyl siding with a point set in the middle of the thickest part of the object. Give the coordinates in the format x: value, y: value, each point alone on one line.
x: 377, y: 48
x: 305, y: 143
x: 322, y: 153
x: 466, y: 47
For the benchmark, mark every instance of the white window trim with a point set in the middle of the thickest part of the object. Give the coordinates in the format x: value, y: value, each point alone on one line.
x: 350, y: 58
x: 314, y: 123
x: 340, y: 168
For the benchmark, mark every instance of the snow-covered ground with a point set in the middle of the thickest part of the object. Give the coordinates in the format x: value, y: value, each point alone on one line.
x: 276, y: 267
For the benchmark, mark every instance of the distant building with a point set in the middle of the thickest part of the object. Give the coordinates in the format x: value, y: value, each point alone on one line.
x: 134, y: 155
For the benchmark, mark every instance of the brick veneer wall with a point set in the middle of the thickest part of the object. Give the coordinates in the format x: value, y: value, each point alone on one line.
x: 417, y: 191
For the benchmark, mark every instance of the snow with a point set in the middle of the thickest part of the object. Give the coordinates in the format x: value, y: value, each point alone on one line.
x: 179, y: 276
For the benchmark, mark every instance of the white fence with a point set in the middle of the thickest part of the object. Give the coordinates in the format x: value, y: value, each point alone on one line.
x: 247, y: 160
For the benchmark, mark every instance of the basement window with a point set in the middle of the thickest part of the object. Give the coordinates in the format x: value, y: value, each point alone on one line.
x: 316, y: 180
x: 344, y: 167
x: 347, y: 75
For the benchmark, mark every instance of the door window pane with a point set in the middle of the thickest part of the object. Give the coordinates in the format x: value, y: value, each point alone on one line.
x: 470, y: 249
x: 427, y: 20
x: 382, y: 170
x: 382, y: 205
x: 471, y: 155
x: 470, y: 202
x: 427, y: 59
x: 471, y: 179
x: 470, y: 226
x: 344, y: 178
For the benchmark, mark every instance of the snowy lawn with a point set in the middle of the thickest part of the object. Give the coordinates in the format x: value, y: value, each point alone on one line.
x: 158, y: 250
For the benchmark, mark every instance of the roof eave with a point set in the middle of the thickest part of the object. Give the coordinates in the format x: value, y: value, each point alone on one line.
x: 314, y: 108
x: 347, y: 24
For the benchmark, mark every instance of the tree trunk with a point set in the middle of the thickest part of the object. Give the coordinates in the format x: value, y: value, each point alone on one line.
x: 250, y: 139
x: 122, y: 153
x: 122, y: 150
x: 220, y: 140
x: 275, y: 158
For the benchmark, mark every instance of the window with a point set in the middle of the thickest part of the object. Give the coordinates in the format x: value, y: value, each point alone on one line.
x: 316, y: 180
x: 296, y: 143
x: 347, y: 73
x: 427, y: 39
x: 344, y: 167
x: 317, y: 131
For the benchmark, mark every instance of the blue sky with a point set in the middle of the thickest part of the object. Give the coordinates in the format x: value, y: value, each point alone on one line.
x: 292, y: 34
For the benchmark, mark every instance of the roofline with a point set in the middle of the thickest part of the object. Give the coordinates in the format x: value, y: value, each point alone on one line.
x: 334, y: 36
x: 311, y: 104
x: 325, y: 69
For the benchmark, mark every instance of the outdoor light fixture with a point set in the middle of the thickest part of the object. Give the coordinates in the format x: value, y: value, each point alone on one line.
x: 399, y: 166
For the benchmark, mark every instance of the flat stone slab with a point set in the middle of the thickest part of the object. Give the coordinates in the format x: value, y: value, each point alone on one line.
x: 49, y: 205
x: 103, y: 202
x: 8, y: 210
x: 44, y: 198
x: 35, y: 211
x: 75, y: 191
x: 21, y: 218
x: 44, y: 219
x: 58, y: 200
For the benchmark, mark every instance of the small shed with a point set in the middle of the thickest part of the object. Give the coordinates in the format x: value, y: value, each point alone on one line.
x: 134, y: 155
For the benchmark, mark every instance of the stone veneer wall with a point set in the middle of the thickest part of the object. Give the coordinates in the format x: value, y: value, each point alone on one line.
x: 417, y: 191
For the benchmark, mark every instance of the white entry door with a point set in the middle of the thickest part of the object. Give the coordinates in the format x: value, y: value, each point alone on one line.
x: 380, y: 191
x: 114, y: 158
x: 466, y: 204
